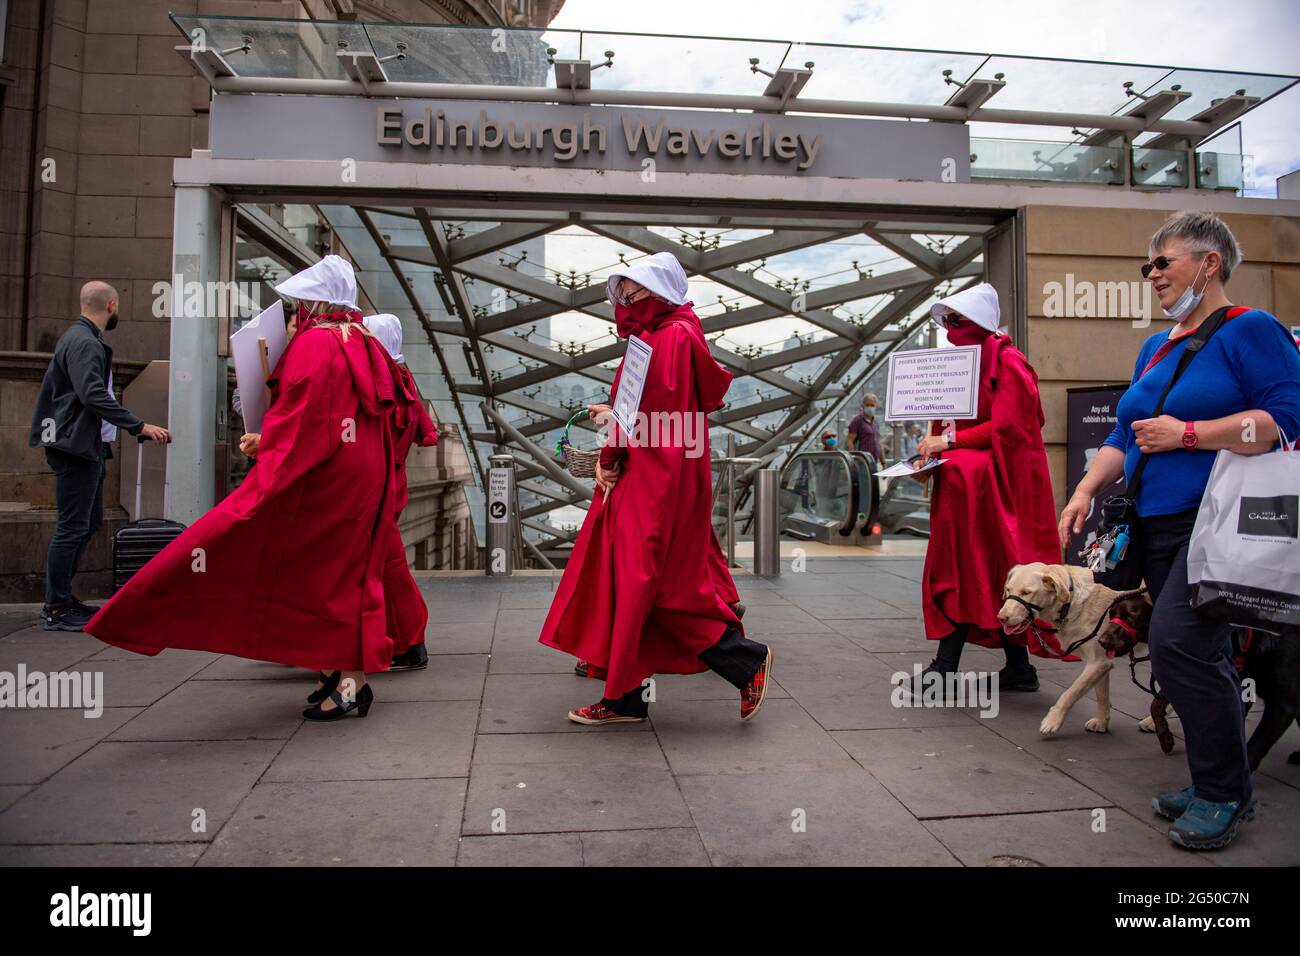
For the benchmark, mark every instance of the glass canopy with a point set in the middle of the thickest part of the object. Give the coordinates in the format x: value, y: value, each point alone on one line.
x: 440, y: 53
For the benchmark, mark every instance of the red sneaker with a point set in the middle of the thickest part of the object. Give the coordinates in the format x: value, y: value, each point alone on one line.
x: 598, y: 713
x: 586, y: 669
x: 751, y: 698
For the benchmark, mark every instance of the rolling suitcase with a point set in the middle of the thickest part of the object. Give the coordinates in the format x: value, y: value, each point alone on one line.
x: 135, y: 543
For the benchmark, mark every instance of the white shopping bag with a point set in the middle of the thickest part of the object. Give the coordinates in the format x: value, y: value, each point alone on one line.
x: 1243, y: 562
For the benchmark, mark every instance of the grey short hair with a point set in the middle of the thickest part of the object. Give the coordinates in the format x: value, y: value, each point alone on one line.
x: 872, y: 396
x: 1202, y: 232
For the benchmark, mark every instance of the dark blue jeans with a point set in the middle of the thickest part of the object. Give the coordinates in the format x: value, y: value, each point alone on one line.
x: 79, y: 495
x: 1191, y: 659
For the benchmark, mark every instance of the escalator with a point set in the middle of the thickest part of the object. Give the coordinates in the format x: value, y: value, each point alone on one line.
x: 835, y: 497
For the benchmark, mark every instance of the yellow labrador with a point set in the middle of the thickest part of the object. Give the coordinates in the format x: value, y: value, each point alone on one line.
x: 1069, y: 599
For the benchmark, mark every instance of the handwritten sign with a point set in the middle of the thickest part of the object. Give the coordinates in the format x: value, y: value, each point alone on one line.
x: 933, y: 383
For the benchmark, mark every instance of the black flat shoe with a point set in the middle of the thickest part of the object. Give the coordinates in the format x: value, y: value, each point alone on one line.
x: 329, y: 684
x: 414, y: 659
x: 365, y: 697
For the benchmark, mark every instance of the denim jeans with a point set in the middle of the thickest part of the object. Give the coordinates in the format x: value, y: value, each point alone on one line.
x: 79, y: 495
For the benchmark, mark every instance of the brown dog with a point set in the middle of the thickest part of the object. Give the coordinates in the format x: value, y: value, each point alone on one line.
x: 1069, y: 598
x: 1130, y: 620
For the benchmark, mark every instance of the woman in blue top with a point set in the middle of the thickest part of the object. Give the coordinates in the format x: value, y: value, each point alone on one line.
x: 1236, y: 393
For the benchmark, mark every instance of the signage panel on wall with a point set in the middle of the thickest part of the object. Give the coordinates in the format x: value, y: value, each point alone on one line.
x: 584, y: 137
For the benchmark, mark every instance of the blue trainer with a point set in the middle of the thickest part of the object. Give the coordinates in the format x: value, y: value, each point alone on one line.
x: 1205, y: 825
x: 1172, y: 804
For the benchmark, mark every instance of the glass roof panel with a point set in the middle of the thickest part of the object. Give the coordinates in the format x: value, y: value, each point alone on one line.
x: 656, y: 63
x: 305, y: 49
x: 881, y: 75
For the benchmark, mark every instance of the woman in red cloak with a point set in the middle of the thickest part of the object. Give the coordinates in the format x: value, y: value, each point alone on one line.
x: 992, y: 506
x: 288, y: 567
x: 405, y: 610
x: 644, y: 591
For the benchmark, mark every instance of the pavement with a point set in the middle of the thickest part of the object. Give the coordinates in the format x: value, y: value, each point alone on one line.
x: 202, y: 759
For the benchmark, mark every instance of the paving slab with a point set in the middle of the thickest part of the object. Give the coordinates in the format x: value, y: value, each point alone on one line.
x: 1060, y: 838
x: 35, y: 744
x: 963, y: 771
x: 670, y: 846
x: 457, y: 637
x: 530, y: 783
x: 1271, y: 839
x: 764, y: 619
x: 103, y: 854
x: 45, y: 651
x: 539, y: 703
x: 146, y: 792
x: 708, y: 736
x: 10, y: 792
x: 522, y: 653
x: 448, y: 677
x: 821, y: 817
x: 343, y: 823
x: 223, y: 710
x: 397, y: 740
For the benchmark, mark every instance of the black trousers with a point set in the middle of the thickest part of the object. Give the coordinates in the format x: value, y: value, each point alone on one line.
x: 79, y: 496
x: 735, y: 659
x: 1191, y: 659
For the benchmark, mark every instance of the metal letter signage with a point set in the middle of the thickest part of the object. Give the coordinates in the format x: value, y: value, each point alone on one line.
x: 594, y: 137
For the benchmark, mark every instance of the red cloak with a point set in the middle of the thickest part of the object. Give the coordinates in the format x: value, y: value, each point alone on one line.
x: 291, y: 560
x: 992, y: 507
x: 646, y: 589
x: 405, y: 612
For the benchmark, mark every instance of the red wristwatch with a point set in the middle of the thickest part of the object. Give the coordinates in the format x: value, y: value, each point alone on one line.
x: 1190, y: 438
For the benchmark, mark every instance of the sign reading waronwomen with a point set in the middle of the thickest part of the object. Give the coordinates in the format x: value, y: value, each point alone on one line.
x: 933, y: 383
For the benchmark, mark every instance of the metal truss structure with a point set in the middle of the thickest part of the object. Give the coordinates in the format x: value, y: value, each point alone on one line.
x: 487, y: 298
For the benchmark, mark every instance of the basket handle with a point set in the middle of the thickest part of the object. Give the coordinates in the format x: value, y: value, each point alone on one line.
x: 564, y: 439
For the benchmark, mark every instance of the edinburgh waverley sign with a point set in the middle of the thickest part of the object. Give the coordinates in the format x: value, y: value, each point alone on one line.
x: 558, y: 136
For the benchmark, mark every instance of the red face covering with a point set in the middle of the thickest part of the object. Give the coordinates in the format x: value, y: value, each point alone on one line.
x: 968, y: 333
x: 641, y: 316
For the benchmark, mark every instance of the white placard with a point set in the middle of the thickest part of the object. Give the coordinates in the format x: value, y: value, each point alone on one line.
x: 249, y: 375
x: 933, y: 383
x: 904, y: 469
x: 631, y: 382
x: 498, y: 491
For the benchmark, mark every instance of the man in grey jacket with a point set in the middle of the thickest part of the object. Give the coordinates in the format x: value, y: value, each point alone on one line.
x: 76, y: 420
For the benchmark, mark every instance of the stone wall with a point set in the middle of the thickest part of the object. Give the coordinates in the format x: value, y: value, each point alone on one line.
x: 1099, y: 245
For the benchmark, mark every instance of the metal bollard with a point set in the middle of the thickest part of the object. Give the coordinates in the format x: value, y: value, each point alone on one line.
x: 500, y: 493
x: 767, y: 521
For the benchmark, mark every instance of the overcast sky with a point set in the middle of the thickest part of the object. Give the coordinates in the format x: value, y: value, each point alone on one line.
x: 1244, y: 35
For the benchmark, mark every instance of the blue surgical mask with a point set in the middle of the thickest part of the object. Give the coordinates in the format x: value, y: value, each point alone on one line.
x: 831, y: 442
x: 1188, y: 301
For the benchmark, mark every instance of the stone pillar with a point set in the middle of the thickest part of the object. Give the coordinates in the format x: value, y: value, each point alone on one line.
x: 195, y: 364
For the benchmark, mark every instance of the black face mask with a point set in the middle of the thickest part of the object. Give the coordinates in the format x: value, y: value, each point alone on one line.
x: 112, y: 322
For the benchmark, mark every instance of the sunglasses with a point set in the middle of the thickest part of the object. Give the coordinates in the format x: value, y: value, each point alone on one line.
x: 1159, y: 262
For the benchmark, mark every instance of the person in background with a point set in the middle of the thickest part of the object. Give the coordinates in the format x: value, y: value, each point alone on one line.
x: 404, y: 607
x: 829, y: 441
x: 992, y: 506
x: 864, y: 430
x: 1248, y: 371
x: 76, y: 421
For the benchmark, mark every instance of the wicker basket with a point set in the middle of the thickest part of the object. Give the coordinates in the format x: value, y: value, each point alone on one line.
x: 580, y: 462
